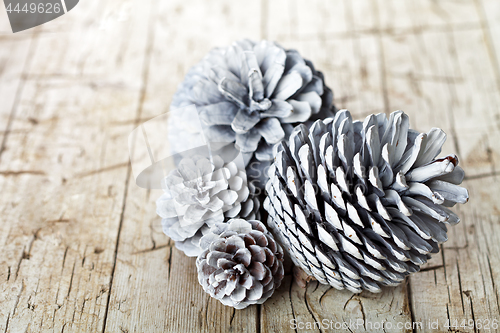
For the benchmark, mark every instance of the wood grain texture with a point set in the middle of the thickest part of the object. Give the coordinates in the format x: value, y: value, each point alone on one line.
x: 82, y: 248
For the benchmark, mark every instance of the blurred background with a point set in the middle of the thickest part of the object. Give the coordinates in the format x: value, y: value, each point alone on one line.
x: 82, y: 247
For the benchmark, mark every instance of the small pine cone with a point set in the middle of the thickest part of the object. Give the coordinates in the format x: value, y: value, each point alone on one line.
x: 199, y: 194
x: 251, y: 94
x: 241, y: 263
x: 362, y: 204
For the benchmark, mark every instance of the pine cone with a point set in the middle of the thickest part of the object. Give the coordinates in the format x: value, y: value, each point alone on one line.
x: 199, y: 194
x: 251, y: 94
x: 241, y: 263
x: 362, y: 204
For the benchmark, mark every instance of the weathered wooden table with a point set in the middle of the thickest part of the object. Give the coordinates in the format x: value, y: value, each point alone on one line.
x: 81, y: 246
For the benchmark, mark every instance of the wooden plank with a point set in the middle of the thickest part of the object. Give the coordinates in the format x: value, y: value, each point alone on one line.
x: 349, y: 53
x: 63, y: 180
x: 421, y: 91
x: 155, y: 286
x: 448, y: 85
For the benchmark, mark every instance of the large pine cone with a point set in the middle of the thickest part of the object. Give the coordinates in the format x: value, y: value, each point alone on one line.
x: 251, y: 94
x: 362, y: 204
x: 241, y: 263
x: 199, y: 194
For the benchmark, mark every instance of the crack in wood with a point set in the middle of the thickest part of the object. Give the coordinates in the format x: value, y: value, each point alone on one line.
x: 493, y: 283
x: 258, y: 319
x: 232, y: 317
x: 18, y: 297
x: 7, y: 323
x: 431, y: 268
x: 169, y: 261
x: 105, y: 169
x: 71, y: 280
x: 482, y: 175
x: 153, y: 249
x: 347, y: 302
x: 22, y: 172
x: 291, y: 303
x: 306, y: 300
x: 410, y: 303
x: 323, y: 295
x: 472, y: 313
x: 142, y: 97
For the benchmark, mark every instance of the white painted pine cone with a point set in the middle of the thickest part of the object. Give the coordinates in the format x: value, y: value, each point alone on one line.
x: 199, y: 194
x: 251, y: 93
x: 358, y: 204
x: 241, y: 263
